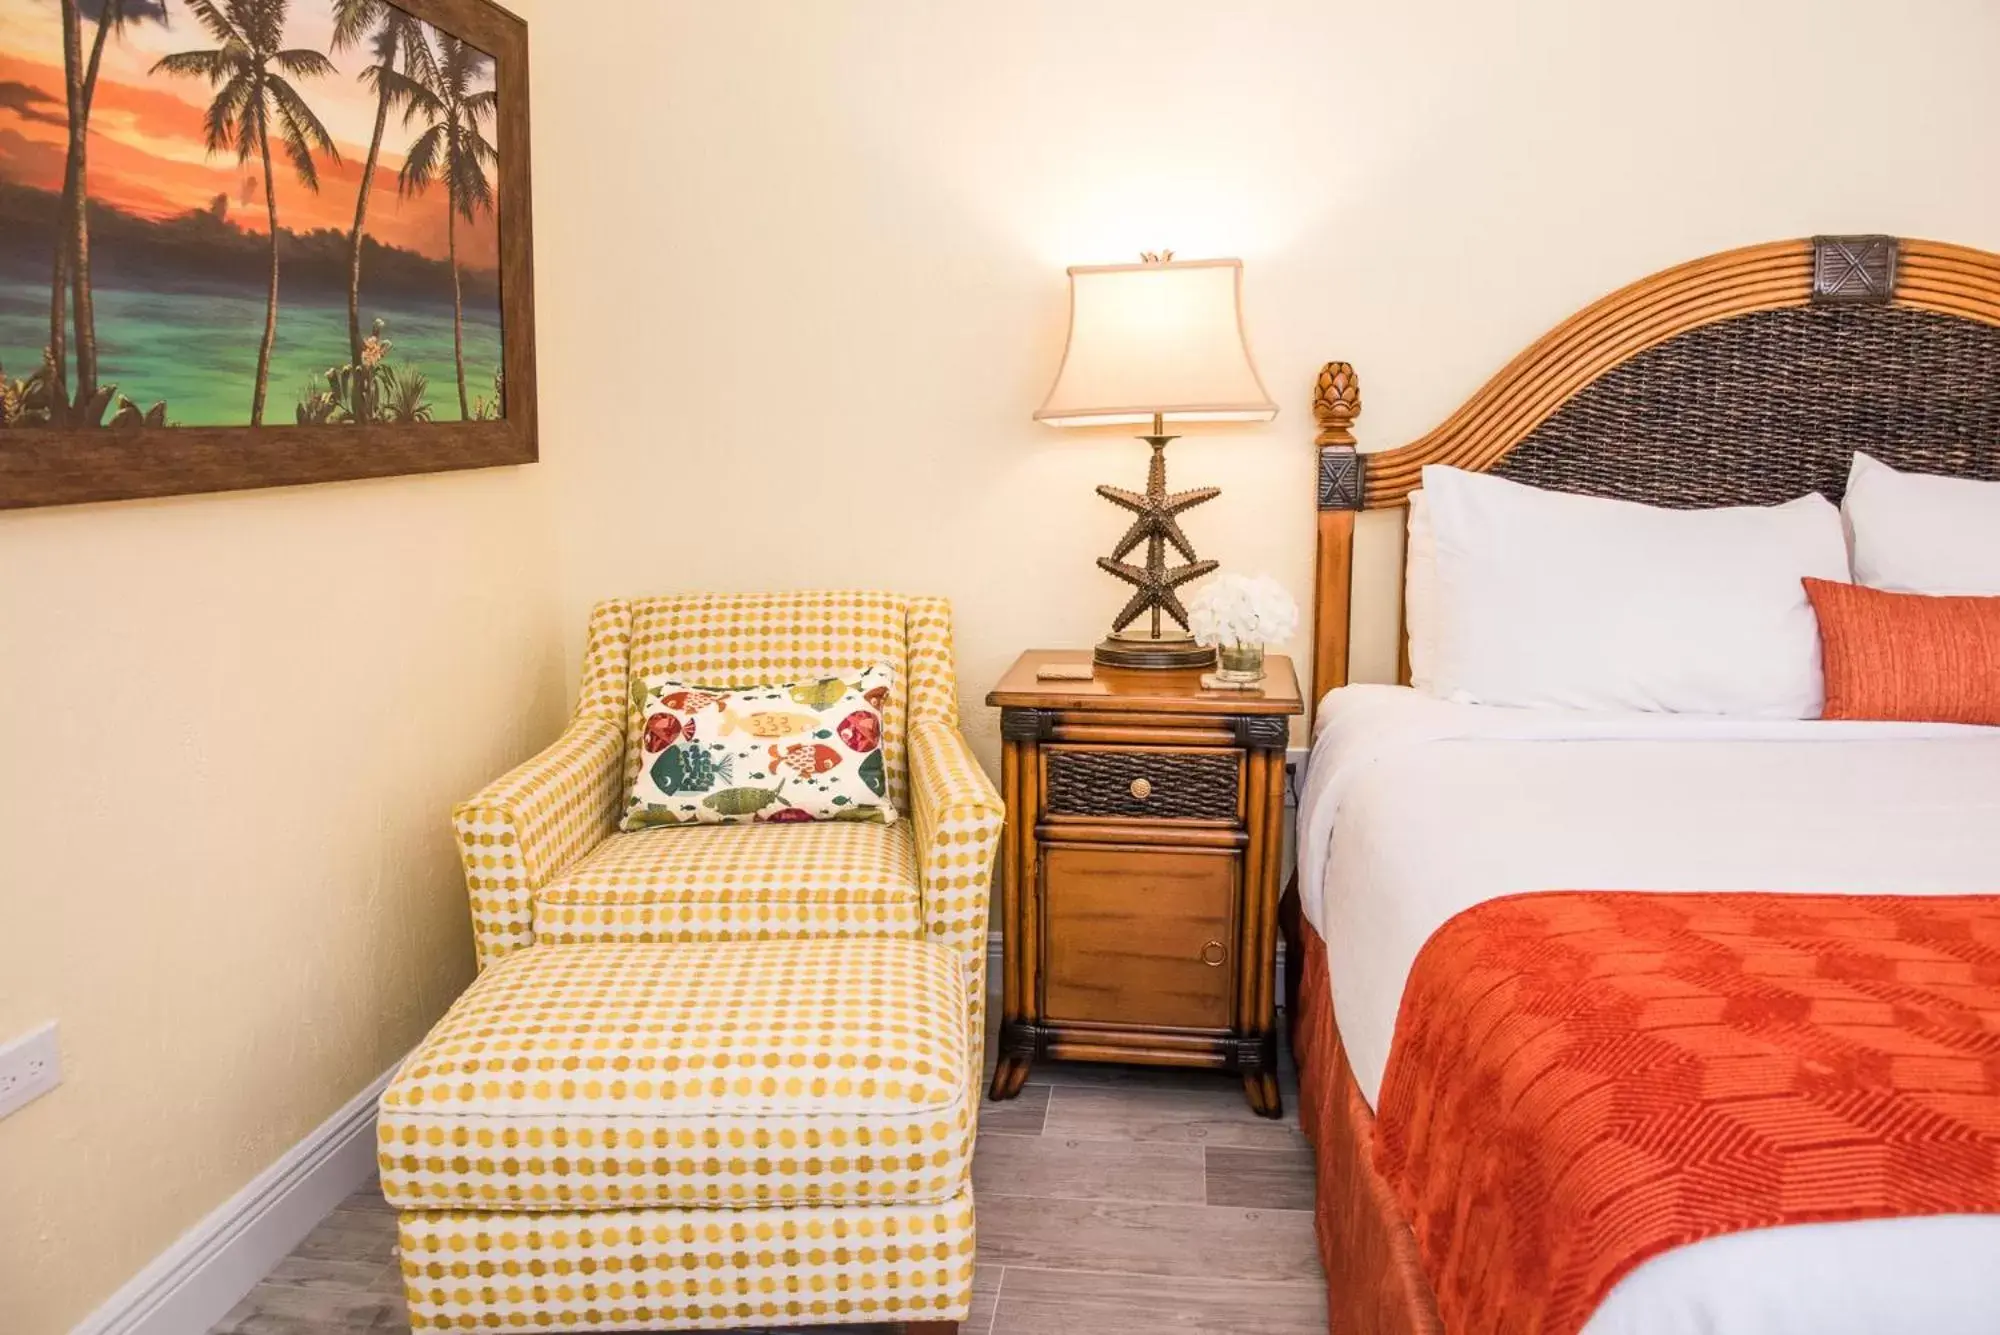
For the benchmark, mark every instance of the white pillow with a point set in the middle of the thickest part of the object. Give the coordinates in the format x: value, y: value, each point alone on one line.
x: 1915, y: 533
x: 1420, y: 608
x: 1550, y: 600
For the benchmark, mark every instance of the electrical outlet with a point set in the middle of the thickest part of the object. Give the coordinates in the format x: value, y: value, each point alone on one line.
x: 30, y: 1067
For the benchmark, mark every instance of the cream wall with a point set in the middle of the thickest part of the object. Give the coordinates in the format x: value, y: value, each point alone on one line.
x: 802, y: 263
x: 231, y: 729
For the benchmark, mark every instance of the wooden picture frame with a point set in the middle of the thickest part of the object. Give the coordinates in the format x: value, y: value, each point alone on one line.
x: 62, y: 465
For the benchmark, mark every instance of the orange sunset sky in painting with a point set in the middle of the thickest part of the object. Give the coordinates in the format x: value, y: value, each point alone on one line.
x: 147, y: 155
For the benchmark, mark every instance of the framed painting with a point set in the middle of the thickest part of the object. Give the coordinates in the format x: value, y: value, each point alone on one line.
x: 252, y: 243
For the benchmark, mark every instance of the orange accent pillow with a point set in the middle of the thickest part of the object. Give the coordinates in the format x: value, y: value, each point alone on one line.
x: 1907, y: 657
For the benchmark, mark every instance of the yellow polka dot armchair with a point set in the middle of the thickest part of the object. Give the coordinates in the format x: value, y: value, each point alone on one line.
x: 546, y: 864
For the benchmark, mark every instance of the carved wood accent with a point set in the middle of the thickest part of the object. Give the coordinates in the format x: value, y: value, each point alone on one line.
x: 1336, y: 403
x: 1341, y: 472
x: 1854, y: 269
x: 1342, y: 478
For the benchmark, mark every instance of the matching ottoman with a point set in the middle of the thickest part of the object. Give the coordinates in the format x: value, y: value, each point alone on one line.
x: 690, y: 1137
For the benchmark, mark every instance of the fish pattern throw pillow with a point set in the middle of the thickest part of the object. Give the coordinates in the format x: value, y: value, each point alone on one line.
x: 755, y: 754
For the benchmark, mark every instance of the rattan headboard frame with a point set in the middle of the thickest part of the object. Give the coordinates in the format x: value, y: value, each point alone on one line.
x: 1895, y: 344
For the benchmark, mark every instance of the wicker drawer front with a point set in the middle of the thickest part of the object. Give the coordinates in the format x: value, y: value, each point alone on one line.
x: 1170, y: 785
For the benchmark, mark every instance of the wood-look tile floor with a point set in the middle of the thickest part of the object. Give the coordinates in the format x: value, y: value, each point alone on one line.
x: 1111, y: 1201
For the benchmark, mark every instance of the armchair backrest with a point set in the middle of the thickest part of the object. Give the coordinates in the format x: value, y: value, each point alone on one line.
x: 747, y: 639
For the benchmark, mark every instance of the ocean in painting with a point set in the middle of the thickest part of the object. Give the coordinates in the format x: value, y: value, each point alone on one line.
x: 189, y: 348
x: 223, y: 147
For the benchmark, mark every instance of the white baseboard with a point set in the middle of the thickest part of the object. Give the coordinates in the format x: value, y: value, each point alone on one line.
x: 193, y: 1284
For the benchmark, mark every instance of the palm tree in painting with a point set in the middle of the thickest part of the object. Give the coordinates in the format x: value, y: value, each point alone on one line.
x: 252, y: 72
x: 452, y: 147
x: 72, y: 35
x: 392, y: 35
x: 72, y: 257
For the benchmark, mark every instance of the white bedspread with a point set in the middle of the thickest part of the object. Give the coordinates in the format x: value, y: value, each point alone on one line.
x: 1416, y: 809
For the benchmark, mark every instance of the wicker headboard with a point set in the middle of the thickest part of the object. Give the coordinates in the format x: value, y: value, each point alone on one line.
x: 1745, y: 378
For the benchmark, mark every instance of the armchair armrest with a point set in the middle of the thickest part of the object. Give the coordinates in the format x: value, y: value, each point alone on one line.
x: 530, y: 825
x: 959, y: 818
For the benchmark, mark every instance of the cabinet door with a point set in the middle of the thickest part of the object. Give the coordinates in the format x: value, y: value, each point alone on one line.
x: 1139, y: 936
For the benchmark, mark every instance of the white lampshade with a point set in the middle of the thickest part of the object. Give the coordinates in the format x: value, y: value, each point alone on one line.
x: 1157, y: 338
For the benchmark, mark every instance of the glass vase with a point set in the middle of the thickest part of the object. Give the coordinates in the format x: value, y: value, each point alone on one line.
x: 1239, y: 664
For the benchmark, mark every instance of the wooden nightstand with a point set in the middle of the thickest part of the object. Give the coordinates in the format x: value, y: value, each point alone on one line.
x: 1139, y: 893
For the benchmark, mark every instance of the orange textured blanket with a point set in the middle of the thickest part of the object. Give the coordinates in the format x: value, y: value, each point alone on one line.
x: 1581, y: 1081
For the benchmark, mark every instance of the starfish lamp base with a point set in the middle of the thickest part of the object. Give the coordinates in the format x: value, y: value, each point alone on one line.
x: 1155, y: 526
x: 1130, y: 649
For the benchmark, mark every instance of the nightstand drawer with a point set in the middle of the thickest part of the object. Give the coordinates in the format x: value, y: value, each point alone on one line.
x: 1144, y: 783
x: 1139, y: 937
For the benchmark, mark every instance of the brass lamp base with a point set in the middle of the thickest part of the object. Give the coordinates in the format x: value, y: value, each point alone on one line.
x: 1153, y: 654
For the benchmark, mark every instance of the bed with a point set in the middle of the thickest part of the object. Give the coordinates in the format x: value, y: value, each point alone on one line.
x: 1748, y: 377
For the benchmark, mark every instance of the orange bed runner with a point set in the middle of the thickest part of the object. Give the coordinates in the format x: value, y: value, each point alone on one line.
x: 1581, y: 1081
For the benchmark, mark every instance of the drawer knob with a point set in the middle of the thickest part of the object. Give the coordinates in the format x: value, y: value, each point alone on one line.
x: 1141, y: 789
x: 1213, y: 954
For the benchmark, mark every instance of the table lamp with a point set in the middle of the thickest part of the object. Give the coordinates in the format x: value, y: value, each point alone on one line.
x: 1152, y: 343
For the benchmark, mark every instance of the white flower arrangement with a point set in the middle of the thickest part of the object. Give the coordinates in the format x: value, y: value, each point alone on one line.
x: 1238, y: 610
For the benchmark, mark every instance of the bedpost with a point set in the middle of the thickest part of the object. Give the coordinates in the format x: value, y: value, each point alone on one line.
x: 1336, y: 403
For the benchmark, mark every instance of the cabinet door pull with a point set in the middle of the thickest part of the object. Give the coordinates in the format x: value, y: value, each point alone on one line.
x: 1142, y: 789
x: 1213, y: 954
